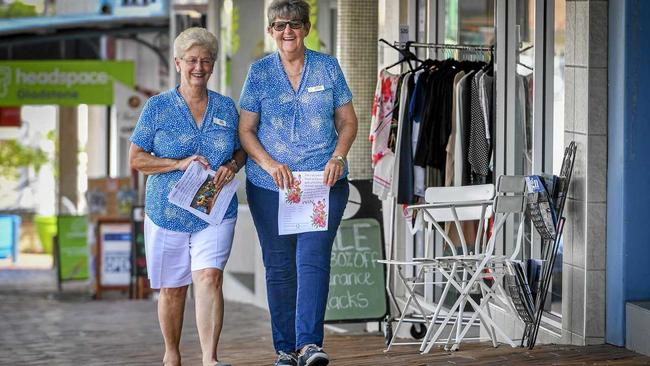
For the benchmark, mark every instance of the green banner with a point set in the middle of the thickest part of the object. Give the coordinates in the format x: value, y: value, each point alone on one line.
x: 62, y: 82
x: 73, y: 247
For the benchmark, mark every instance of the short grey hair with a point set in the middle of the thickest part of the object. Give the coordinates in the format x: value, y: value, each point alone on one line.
x: 196, y: 36
x: 290, y: 9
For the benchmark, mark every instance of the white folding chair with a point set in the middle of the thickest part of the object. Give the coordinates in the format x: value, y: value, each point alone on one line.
x: 481, y: 265
x: 444, y: 205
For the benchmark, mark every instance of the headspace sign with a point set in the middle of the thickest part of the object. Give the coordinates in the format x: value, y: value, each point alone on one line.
x: 62, y: 82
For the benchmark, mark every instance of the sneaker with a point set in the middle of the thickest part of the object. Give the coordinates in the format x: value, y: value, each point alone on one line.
x: 286, y: 359
x: 313, y: 356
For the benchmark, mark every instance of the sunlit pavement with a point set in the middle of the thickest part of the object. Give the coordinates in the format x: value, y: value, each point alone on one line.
x: 41, y: 326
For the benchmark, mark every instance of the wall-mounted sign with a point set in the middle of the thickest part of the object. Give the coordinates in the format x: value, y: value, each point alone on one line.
x: 62, y: 82
x: 10, y: 117
x: 110, y: 198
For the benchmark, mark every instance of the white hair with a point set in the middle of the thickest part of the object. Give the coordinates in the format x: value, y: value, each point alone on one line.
x: 196, y: 36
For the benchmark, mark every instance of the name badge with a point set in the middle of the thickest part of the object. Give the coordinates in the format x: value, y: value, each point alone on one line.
x: 313, y: 89
x: 219, y: 122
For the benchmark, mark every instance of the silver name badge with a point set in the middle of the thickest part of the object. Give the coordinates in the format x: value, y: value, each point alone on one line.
x: 313, y: 89
x: 218, y: 121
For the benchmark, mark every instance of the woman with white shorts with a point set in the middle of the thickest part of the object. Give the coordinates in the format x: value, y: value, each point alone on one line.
x: 184, y: 124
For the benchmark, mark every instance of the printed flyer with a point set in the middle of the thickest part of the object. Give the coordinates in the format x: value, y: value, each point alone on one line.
x: 304, y: 206
x: 196, y: 193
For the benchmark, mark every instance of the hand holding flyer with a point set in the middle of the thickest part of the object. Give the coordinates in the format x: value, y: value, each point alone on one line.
x: 303, y: 206
x: 196, y: 193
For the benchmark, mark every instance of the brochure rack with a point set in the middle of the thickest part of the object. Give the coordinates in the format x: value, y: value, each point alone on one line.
x: 545, y: 205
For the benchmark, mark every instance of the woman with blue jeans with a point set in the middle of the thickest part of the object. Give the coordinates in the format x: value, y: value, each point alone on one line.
x: 296, y: 115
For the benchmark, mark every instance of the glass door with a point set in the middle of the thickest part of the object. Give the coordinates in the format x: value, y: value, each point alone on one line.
x: 530, y: 104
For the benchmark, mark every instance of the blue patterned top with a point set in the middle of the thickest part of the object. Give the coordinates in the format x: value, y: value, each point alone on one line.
x: 166, y: 129
x: 295, y: 128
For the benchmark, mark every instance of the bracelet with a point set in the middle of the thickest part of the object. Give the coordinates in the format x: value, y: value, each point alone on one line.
x: 234, y: 164
x: 340, y: 159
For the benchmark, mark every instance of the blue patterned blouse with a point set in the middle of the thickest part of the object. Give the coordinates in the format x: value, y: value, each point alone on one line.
x: 166, y: 129
x: 295, y: 128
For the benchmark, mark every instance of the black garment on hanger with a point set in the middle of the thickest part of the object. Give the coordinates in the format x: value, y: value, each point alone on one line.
x: 405, y: 189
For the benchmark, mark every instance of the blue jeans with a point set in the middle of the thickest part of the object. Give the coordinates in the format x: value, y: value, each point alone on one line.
x: 297, y: 268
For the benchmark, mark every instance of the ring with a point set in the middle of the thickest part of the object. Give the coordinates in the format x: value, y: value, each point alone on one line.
x: 229, y: 178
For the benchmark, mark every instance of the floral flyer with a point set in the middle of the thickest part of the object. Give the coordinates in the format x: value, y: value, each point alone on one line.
x: 304, y: 206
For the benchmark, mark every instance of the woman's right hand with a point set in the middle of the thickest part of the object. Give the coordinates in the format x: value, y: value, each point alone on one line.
x: 184, y: 163
x: 280, y: 173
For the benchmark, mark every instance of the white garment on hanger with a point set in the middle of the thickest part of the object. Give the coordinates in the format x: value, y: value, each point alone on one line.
x: 383, y: 176
x: 419, y: 173
x: 461, y: 120
x: 485, y: 93
x: 452, y: 158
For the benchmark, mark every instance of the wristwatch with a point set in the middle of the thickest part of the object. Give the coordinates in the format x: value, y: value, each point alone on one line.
x: 341, y: 159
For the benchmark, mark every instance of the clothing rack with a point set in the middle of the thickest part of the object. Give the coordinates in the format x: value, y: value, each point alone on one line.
x: 462, y: 47
x: 404, y: 49
x: 408, y: 56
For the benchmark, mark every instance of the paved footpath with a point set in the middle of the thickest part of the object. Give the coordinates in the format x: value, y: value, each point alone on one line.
x: 38, y: 326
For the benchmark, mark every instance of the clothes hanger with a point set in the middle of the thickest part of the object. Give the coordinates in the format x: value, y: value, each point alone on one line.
x: 407, y: 55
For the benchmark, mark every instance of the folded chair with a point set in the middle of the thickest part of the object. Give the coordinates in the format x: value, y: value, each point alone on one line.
x: 482, y: 269
x: 443, y: 205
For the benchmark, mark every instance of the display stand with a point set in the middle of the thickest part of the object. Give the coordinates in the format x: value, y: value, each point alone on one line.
x: 545, y: 207
x: 113, y: 257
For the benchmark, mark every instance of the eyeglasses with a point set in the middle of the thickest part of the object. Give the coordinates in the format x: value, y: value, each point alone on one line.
x: 194, y: 61
x: 280, y: 25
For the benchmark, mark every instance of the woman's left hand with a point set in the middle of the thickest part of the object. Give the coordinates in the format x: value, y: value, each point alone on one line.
x: 224, y: 174
x: 333, y: 171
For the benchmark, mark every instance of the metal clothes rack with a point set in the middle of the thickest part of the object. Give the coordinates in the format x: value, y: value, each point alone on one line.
x: 404, y: 49
x: 466, y: 47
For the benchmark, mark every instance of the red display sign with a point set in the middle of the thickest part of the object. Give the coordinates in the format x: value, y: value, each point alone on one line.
x: 10, y: 117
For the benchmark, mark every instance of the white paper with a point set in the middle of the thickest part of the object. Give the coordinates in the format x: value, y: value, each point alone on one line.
x: 195, y: 193
x: 304, y: 207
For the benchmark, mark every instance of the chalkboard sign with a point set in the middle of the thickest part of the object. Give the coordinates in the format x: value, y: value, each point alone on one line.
x: 357, y: 289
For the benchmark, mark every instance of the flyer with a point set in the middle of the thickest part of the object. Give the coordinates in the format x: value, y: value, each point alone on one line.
x: 196, y: 193
x: 304, y: 206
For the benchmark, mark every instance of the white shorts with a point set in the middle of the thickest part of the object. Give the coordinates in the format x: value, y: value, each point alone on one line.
x: 173, y: 255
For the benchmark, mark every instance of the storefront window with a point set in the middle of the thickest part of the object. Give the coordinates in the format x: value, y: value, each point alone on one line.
x: 524, y: 84
x: 527, y: 131
x: 524, y: 76
x: 469, y: 22
x: 529, y: 148
x: 558, y: 138
x: 558, y: 84
x: 459, y: 22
